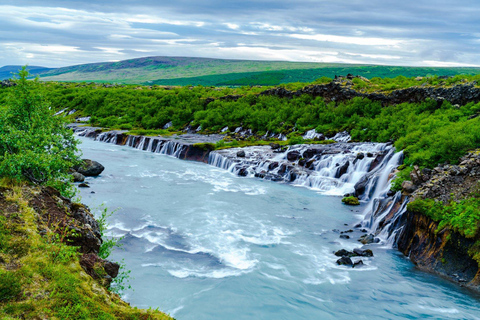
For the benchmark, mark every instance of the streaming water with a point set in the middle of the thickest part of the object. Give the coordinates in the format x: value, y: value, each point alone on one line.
x: 202, y: 243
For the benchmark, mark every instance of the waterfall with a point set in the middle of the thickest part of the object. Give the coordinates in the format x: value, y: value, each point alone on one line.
x: 330, y: 169
x: 149, y: 144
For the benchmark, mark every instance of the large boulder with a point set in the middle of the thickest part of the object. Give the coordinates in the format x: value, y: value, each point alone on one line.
x: 89, y: 168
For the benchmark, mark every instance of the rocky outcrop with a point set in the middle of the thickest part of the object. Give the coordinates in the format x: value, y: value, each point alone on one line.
x: 337, y: 91
x: 76, y: 226
x: 7, y: 83
x: 40, y: 269
x: 441, y: 250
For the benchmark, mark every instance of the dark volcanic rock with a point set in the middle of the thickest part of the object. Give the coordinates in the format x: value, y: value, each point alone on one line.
x: 367, y: 239
x: 361, y: 186
x: 345, y: 261
x: 293, y: 155
x: 89, y: 168
x: 243, y: 172
x: 357, y: 264
x: 342, y: 169
x: 241, y: 154
x: 363, y: 252
x: 343, y: 253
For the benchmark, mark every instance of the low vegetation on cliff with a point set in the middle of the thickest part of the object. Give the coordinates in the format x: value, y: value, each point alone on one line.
x: 48, y: 272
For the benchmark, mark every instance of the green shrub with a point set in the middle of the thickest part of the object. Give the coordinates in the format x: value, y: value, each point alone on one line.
x: 351, y: 201
x: 462, y: 216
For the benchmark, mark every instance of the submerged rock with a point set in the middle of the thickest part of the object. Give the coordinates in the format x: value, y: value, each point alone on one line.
x: 345, y: 261
x: 363, y: 252
x: 78, y: 177
x: 367, y: 239
x: 357, y: 264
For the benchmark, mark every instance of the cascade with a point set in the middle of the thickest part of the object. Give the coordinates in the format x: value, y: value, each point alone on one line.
x: 332, y: 170
x: 335, y: 169
x: 150, y: 144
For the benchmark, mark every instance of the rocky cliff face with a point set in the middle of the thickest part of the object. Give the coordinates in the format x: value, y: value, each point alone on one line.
x: 442, y: 250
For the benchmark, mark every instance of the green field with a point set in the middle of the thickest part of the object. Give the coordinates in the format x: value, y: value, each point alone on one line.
x: 181, y: 71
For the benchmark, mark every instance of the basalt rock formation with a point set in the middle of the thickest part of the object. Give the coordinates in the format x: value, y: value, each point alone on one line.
x: 338, y: 91
x: 434, y: 248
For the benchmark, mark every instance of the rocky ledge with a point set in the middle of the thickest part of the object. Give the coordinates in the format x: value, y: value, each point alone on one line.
x: 441, y: 249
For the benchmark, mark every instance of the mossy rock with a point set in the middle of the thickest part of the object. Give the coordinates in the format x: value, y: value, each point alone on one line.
x: 351, y: 201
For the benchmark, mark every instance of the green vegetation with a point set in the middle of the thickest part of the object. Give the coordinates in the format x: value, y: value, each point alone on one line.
x: 461, y: 216
x: 34, y: 145
x: 40, y: 276
x: 273, y: 78
x: 351, y: 201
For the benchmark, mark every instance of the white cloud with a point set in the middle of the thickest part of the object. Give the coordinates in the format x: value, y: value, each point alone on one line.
x: 365, y: 41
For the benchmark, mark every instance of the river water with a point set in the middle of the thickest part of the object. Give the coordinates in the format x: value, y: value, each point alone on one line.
x: 202, y: 243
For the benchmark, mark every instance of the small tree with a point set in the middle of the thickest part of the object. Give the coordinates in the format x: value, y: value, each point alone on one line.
x: 34, y: 144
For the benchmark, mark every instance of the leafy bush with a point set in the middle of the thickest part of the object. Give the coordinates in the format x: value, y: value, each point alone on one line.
x: 462, y: 216
x: 34, y: 145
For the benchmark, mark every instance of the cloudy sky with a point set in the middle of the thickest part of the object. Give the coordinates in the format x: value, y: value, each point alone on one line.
x: 56, y: 33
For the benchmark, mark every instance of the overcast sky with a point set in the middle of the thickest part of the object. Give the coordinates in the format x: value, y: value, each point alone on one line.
x: 56, y: 33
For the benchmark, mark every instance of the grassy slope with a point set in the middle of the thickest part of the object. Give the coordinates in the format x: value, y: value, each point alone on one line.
x: 41, y: 278
x: 219, y: 72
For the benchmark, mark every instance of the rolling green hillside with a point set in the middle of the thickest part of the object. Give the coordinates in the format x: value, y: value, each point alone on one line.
x: 221, y: 72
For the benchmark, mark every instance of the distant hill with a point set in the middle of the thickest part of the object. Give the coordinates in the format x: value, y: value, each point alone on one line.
x: 7, y: 72
x: 221, y: 72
